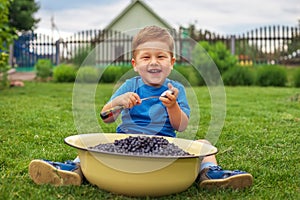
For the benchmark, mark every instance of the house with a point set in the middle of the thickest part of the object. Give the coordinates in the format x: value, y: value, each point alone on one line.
x: 115, y: 44
x: 135, y: 16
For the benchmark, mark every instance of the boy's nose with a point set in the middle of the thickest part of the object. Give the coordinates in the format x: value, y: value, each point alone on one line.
x: 153, y: 61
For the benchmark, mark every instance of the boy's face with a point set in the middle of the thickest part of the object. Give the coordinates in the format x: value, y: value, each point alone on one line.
x: 153, y: 62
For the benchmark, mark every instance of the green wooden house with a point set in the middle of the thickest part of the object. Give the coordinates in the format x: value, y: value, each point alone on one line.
x: 116, y: 40
x: 136, y: 16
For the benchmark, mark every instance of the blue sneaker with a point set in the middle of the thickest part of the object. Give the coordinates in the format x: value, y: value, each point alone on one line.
x: 55, y: 173
x: 216, y: 177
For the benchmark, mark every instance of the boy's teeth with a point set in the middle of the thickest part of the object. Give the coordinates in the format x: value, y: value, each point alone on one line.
x: 154, y: 70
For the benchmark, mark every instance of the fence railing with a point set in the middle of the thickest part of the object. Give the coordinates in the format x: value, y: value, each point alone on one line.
x: 269, y: 44
x: 272, y: 45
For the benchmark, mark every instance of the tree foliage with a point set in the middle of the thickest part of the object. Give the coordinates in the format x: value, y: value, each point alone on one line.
x: 5, y: 39
x: 5, y: 29
x: 21, y: 14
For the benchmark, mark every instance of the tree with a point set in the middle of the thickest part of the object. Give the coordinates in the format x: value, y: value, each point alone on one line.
x: 5, y: 36
x: 5, y: 39
x: 21, y: 15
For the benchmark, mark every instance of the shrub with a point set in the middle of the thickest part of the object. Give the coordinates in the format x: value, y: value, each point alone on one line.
x: 4, y: 67
x: 87, y: 74
x: 114, y: 73
x: 239, y: 76
x: 217, y: 52
x: 271, y: 76
x: 190, y: 74
x: 43, y: 68
x: 126, y: 69
x: 297, y: 78
x: 64, y: 73
x: 80, y: 55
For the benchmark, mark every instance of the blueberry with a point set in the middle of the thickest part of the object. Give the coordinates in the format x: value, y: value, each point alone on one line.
x: 142, y: 145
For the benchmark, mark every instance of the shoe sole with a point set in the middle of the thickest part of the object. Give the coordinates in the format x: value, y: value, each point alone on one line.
x: 43, y: 173
x: 234, y: 182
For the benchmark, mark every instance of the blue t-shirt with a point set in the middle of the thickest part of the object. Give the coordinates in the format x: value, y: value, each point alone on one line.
x: 151, y: 116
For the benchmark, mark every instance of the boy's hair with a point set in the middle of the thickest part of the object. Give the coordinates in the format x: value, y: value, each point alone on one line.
x: 153, y: 33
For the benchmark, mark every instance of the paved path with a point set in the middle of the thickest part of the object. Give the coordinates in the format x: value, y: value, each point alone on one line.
x: 22, y: 76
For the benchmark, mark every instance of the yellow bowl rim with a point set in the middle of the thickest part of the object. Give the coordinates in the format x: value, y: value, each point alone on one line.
x: 134, y: 155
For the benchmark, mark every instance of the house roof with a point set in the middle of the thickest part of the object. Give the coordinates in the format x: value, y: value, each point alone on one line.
x: 130, y: 6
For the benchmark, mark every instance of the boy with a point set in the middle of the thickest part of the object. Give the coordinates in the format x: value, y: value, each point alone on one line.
x: 153, y: 60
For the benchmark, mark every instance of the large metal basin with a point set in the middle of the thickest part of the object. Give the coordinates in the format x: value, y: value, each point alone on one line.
x: 139, y: 175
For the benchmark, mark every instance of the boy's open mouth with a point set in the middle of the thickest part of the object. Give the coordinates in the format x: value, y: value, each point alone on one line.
x: 154, y: 70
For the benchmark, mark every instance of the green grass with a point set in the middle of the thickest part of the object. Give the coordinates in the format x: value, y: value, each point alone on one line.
x: 261, y: 135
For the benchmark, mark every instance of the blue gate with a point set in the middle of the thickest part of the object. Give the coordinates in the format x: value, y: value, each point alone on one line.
x: 30, y: 47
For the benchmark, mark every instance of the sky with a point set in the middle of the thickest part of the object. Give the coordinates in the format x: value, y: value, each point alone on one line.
x: 219, y: 16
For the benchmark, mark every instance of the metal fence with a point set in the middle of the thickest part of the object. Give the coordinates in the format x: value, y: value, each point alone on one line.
x: 269, y: 44
x: 272, y: 45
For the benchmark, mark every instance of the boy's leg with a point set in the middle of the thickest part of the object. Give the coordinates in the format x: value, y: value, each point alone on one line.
x: 213, y: 176
x: 55, y: 173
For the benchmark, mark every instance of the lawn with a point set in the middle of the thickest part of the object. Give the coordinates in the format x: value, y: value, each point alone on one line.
x: 261, y: 135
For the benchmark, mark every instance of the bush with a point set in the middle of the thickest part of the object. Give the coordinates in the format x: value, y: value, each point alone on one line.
x: 190, y: 74
x: 64, y: 73
x: 80, y: 55
x: 239, y: 76
x: 297, y: 78
x: 114, y: 73
x: 4, y: 67
x: 218, y: 52
x: 271, y: 76
x: 43, y: 68
x: 88, y: 74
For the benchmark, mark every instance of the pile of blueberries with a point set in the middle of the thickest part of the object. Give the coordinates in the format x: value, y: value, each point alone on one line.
x: 142, y: 145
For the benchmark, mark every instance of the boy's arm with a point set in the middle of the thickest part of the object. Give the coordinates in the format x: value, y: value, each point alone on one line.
x: 179, y: 120
x: 127, y: 100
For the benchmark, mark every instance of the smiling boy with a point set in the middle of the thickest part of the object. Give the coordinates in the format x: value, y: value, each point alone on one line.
x: 153, y: 60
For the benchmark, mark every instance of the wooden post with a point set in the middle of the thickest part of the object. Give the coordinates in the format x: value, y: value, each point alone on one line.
x: 11, y: 55
x: 232, y: 44
x: 57, y: 59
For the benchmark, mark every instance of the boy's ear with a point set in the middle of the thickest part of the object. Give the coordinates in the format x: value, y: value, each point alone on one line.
x: 133, y: 63
x: 173, y: 60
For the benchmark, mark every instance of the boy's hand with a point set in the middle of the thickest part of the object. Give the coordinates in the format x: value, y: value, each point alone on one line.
x: 128, y: 100
x: 170, y: 99
x: 178, y: 118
